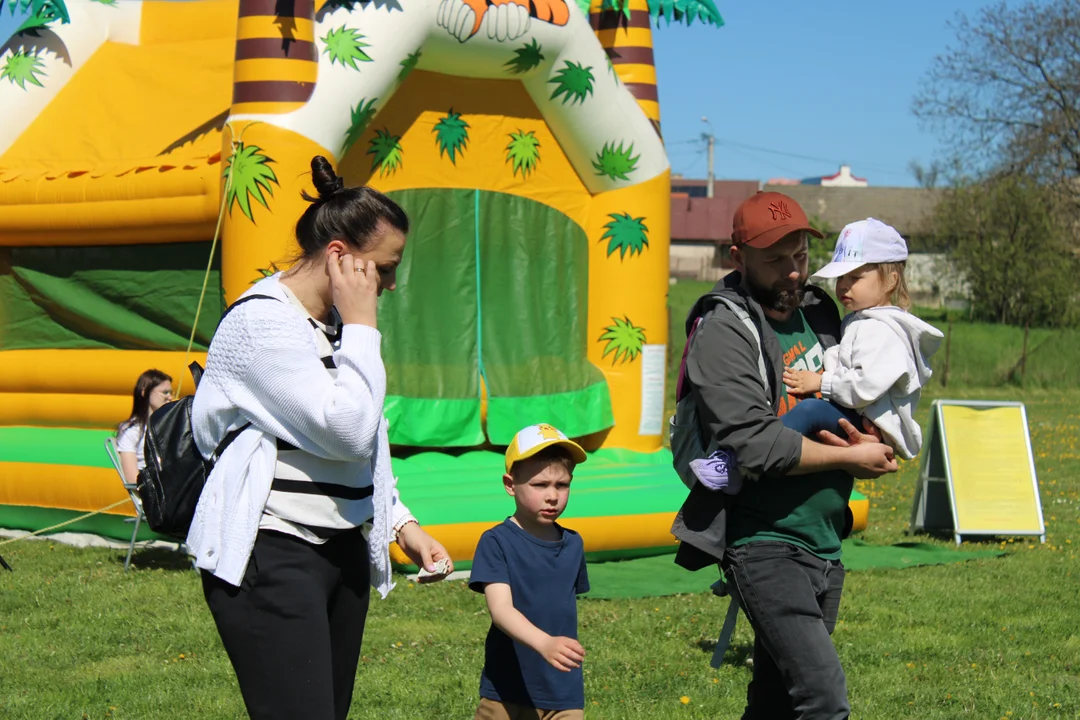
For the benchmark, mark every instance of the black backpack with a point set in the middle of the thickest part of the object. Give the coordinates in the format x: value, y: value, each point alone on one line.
x: 175, y: 472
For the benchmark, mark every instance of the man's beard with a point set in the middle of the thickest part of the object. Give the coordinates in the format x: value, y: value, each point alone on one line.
x: 783, y: 300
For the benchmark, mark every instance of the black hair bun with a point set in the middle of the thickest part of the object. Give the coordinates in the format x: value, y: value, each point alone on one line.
x: 326, y: 181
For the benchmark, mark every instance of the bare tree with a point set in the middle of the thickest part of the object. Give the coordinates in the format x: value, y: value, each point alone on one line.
x: 927, y: 176
x: 1006, y: 95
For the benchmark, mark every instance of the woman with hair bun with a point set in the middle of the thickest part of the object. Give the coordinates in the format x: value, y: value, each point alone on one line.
x: 295, y: 522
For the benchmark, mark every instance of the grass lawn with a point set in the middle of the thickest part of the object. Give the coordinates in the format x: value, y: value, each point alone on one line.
x: 990, y: 638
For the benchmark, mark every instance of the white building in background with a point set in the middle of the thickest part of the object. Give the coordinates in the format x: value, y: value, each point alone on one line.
x: 842, y: 178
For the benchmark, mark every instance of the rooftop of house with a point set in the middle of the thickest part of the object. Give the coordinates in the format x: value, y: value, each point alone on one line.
x: 696, y: 218
x: 906, y: 209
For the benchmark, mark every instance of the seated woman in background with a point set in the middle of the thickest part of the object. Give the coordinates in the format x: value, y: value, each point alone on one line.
x: 153, y: 389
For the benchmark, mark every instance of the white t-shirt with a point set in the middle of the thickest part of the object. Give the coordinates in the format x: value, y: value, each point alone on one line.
x: 130, y: 440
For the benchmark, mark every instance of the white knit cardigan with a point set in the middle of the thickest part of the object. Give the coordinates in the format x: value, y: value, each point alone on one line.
x: 263, y: 366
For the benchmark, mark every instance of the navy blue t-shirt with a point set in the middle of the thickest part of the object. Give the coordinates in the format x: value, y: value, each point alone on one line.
x: 545, y: 579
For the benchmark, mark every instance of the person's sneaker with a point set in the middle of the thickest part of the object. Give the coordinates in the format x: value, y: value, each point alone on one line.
x: 718, y: 472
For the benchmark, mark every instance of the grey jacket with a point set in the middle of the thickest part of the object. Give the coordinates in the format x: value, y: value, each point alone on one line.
x: 722, y: 368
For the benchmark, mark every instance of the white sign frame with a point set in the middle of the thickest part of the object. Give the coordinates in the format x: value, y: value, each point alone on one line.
x: 935, y: 483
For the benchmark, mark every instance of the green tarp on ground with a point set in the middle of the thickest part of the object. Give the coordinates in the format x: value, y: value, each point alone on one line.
x: 659, y: 576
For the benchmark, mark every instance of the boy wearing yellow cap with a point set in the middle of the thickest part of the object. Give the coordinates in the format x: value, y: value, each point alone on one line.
x: 531, y: 570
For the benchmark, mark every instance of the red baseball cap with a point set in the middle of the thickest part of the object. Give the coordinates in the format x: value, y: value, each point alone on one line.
x: 765, y: 217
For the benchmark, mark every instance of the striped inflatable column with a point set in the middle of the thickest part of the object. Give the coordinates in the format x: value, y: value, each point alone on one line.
x: 275, y: 74
x: 276, y: 58
x: 628, y: 43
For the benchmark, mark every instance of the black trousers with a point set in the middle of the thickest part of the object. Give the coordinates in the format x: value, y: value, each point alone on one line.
x: 294, y: 627
x: 792, y: 599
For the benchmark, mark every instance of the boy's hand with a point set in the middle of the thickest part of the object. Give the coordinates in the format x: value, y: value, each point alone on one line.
x: 562, y: 652
x: 802, y: 382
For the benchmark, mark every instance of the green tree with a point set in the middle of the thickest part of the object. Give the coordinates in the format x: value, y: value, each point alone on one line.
x: 1012, y: 239
x: 821, y: 251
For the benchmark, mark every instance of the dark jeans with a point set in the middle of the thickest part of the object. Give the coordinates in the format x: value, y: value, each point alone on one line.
x: 813, y: 415
x: 294, y: 627
x: 791, y: 598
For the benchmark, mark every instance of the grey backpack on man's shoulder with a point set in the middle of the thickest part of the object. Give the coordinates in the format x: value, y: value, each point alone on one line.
x: 701, y: 523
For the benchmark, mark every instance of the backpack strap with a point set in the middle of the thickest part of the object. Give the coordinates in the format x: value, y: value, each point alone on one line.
x: 243, y: 300
x: 682, y: 385
x: 227, y: 441
x: 197, y: 371
x: 748, y: 321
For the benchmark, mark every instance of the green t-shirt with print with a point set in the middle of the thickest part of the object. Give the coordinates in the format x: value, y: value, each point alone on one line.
x: 804, y: 510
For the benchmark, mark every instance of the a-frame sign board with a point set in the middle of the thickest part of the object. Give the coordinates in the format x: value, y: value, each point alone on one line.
x: 977, y: 474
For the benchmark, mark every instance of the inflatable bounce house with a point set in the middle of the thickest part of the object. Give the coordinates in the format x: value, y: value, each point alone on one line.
x: 152, y: 158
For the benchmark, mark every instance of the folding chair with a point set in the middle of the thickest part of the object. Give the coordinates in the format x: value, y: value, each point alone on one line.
x: 114, y: 455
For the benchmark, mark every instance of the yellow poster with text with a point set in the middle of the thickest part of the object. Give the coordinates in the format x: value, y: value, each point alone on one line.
x: 991, y: 470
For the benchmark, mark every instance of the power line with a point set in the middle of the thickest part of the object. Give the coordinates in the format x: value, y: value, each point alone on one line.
x: 692, y: 165
x: 763, y: 160
x: 734, y: 144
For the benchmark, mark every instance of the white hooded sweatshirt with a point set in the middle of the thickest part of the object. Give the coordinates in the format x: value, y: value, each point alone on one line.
x: 879, y: 369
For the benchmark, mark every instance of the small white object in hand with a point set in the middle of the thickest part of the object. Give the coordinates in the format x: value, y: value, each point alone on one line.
x: 442, y: 569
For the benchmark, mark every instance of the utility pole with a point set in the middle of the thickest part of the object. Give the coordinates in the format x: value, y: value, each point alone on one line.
x: 711, y: 142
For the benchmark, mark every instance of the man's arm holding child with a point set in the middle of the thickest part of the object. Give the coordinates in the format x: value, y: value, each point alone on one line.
x: 722, y: 368
x: 563, y: 653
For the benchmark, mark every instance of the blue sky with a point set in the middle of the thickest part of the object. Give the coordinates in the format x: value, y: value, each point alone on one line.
x: 827, y: 79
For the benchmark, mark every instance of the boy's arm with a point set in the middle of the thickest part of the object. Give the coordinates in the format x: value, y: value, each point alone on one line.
x: 878, y: 360
x: 561, y: 652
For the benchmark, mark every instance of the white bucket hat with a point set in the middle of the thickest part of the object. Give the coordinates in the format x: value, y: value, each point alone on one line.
x: 862, y: 242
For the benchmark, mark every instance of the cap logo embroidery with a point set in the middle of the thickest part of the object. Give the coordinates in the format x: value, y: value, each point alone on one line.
x: 779, y: 210
x: 848, y: 251
x: 547, y: 432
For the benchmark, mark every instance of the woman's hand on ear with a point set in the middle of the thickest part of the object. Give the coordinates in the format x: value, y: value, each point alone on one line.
x: 355, y: 287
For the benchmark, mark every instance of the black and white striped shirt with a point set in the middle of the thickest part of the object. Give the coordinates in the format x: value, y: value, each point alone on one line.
x: 311, y: 497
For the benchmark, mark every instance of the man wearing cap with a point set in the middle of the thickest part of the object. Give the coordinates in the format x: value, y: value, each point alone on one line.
x: 778, y: 538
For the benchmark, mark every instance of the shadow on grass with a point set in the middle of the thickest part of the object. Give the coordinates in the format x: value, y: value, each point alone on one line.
x: 737, y: 653
x: 947, y: 536
x: 157, y: 558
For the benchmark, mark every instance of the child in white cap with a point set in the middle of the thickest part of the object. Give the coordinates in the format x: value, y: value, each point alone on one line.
x: 881, y: 364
